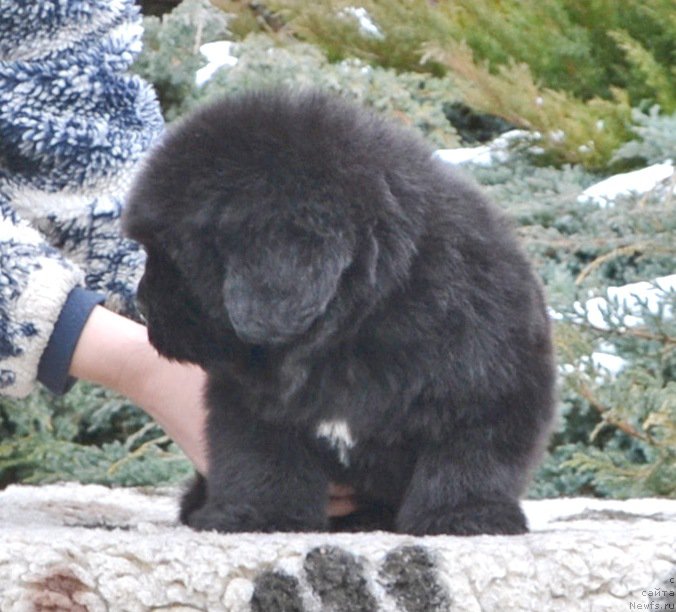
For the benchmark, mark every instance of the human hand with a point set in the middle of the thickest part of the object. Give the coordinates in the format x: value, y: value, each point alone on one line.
x: 342, y: 500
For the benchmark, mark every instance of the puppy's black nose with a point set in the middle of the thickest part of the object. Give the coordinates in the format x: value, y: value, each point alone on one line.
x: 259, y: 339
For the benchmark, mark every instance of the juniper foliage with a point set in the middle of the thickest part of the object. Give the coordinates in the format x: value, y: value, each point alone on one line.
x: 570, y: 71
x: 172, y: 55
x: 171, y: 58
x: 89, y: 435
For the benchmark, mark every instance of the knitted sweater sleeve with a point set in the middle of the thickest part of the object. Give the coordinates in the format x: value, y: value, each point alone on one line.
x: 73, y: 126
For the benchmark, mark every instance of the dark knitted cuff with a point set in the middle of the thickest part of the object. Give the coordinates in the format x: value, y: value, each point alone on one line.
x: 55, y: 361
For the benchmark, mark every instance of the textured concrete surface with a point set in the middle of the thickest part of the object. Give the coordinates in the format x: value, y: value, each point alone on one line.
x: 89, y: 548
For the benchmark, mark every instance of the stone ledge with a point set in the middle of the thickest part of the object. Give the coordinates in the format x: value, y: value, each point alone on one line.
x: 90, y: 548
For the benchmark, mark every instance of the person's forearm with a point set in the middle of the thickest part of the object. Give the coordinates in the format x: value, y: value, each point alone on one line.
x: 114, y: 352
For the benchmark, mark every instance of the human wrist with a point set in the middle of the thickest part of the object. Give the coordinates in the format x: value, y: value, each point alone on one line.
x: 55, y: 362
x: 110, y: 351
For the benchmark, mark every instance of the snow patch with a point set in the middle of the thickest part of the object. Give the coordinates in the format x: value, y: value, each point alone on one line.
x: 600, y: 360
x: 608, y: 361
x: 623, y: 306
x: 218, y: 54
x: 366, y: 25
x: 496, y: 151
x: 631, y: 301
x: 637, y: 182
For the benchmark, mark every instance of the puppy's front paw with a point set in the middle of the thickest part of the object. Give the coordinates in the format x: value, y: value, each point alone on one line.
x: 230, y: 518
x: 223, y: 518
x: 475, y: 518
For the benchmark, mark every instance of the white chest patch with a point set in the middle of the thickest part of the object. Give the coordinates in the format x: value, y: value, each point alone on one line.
x: 338, y: 435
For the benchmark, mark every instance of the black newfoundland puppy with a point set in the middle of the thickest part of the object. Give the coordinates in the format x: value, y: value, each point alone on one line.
x: 364, y: 315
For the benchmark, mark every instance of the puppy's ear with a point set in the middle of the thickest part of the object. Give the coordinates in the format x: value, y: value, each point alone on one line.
x: 275, y: 290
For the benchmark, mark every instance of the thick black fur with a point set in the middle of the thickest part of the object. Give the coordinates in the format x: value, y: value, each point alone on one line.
x: 322, y: 266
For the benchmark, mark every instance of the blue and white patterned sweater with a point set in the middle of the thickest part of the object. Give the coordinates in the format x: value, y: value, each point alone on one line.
x: 73, y: 126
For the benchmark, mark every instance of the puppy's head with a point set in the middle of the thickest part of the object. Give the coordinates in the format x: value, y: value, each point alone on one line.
x: 266, y: 218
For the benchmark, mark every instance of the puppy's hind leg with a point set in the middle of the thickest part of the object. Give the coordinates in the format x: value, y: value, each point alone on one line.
x: 465, y: 487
